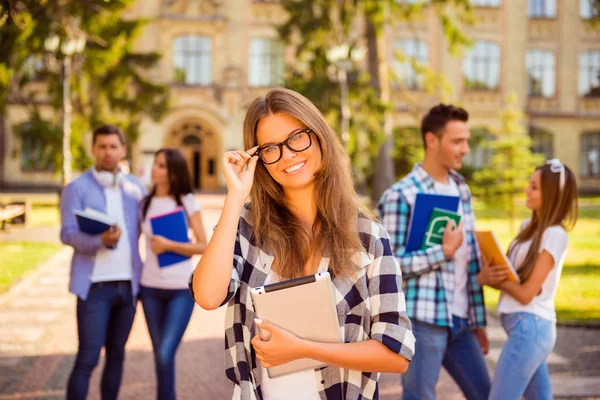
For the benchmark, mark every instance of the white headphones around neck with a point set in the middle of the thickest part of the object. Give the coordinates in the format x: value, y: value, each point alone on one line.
x: 108, y: 179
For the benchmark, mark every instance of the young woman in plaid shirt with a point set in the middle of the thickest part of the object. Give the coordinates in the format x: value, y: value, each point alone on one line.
x: 303, y: 217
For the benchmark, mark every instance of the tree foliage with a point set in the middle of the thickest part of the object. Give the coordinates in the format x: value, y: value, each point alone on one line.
x: 315, y: 27
x: 511, y: 163
x: 109, y: 81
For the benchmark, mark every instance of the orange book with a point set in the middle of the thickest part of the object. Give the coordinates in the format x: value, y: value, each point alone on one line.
x: 491, y: 250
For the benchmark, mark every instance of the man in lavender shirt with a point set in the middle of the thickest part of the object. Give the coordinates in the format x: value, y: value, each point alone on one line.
x: 106, y: 268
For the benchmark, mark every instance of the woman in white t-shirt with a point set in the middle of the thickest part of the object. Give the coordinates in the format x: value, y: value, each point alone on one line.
x: 527, y: 308
x: 166, y: 300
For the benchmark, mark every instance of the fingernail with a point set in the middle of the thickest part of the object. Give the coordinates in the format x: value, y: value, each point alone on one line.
x: 257, y: 321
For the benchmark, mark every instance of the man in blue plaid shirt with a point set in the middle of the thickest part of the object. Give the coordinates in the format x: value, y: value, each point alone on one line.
x: 443, y: 297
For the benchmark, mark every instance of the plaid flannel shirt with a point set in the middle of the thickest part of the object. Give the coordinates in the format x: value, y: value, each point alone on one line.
x: 428, y: 276
x: 370, y: 305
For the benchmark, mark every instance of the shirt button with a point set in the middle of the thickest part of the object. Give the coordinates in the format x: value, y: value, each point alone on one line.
x: 323, y: 382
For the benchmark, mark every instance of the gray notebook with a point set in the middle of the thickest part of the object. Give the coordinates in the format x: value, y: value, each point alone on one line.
x: 304, y: 306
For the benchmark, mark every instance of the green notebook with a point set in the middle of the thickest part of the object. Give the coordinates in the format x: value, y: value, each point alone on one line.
x: 437, y: 225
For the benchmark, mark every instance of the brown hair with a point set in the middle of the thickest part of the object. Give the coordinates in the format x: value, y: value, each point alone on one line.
x: 107, y: 129
x: 559, y: 207
x: 436, y: 119
x: 276, y: 228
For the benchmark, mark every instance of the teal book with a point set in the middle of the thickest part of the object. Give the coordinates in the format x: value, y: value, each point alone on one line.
x: 437, y: 225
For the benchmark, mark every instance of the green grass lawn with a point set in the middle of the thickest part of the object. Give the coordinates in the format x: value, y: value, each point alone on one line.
x: 578, y: 297
x: 44, y: 215
x: 17, y: 258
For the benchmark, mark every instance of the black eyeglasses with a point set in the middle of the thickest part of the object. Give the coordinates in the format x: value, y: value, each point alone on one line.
x: 299, y: 141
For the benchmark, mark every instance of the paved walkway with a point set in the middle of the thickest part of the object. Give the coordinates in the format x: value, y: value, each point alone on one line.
x: 38, y: 342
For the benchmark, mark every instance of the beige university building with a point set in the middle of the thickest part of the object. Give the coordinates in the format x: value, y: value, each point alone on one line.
x: 220, y: 54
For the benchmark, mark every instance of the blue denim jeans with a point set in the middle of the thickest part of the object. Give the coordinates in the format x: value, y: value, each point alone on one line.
x: 168, y: 313
x: 457, y: 349
x: 104, y: 319
x: 522, y: 368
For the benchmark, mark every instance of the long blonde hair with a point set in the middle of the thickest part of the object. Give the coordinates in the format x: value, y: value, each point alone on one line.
x: 276, y: 228
x: 559, y: 207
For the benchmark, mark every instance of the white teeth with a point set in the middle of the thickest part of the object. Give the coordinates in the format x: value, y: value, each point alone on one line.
x: 295, y: 168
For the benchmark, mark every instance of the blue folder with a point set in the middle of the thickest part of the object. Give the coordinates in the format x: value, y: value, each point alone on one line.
x: 172, y: 226
x: 93, y: 222
x: 421, y: 213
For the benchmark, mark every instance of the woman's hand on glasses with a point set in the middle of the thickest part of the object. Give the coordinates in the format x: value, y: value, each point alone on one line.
x: 239, y: 180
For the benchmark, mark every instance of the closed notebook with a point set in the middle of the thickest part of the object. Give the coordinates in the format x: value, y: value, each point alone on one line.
x: 94, y: 222
x: 490, y: 249
x: 437, y: 225
x: 421, y: 213
x: 172, y: 226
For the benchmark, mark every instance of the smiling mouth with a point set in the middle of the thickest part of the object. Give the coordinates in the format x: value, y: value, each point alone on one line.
x: 295, y: 168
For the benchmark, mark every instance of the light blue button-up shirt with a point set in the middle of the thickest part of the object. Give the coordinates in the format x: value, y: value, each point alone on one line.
x: 85, y: 192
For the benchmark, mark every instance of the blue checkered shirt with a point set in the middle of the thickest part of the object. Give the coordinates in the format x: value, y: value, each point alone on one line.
x: 370, y: 305
x: 428, y: 278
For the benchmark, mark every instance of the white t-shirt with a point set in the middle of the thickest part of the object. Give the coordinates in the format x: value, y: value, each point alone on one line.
x: 301, y: 385
x: 114, y: 264
x: 555, y: 242
x: 460, y: 302
x: 173, y: 276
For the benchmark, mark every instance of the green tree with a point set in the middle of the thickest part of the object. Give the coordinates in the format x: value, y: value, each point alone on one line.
x: 109, y: 81
x: 314, y: 29
x: 511, y: 163
x: 408, y: 149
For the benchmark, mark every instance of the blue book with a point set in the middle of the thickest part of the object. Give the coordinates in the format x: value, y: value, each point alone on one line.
x: 94, y: 222
x: 421, y: 213
x: 172, y: 226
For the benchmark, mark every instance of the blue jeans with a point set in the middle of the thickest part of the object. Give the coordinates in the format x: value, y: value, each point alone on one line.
x: 104, y: 319
x: 168, y: 313
x: 457, y: 349
x: 522, y: 368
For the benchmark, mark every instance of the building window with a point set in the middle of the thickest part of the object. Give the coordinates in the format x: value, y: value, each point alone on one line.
x: 589, y: 74
x: 413, y: 51
x: 35, y: 156
x: 540, y: 73
x: 586, y: 10
x: 481, y: 66
x: 541, y: 8
x: 266, y: 62
x: 480, y: 152
x: 542, y: 142
x: 33, y: 68
x: 193, y: 60
x: 590, y: 155
x: 486, y: 3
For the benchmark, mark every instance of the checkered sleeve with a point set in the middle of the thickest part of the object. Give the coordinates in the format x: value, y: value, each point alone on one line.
x: 394, y: 214
x: 236, y: 271
x: 389, y: 323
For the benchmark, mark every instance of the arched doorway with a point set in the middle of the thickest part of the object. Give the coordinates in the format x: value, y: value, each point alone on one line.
x: 200, y: 147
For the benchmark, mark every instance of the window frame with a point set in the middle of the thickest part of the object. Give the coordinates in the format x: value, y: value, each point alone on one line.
x: 591, y: 69
x: 540, y: 66
x: 411, y: 80
x: 481, y: 63
x: 483, y: 3
x: 589, y: 141
x: 541, y: 11
x: 540, y: 138
x: 192, y: 58
x: 274, y: 57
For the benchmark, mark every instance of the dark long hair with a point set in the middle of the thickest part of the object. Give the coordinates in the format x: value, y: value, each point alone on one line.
x: 179, y: 177
x: 559, y: 207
